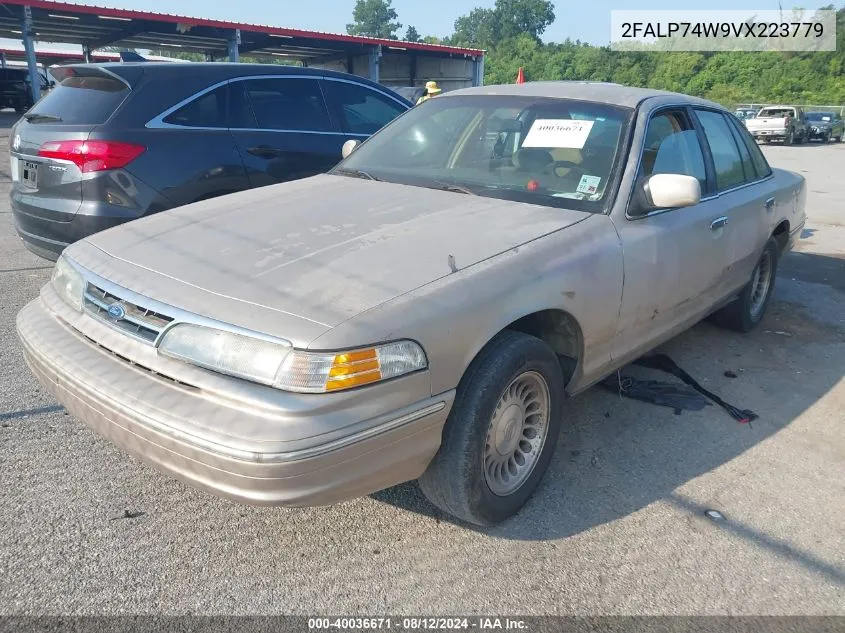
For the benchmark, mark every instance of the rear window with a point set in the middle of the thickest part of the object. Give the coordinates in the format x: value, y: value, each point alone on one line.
x: 83, y: 100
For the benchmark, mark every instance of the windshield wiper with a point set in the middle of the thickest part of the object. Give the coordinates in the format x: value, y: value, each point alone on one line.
x: 445, y: 186
x: 357, y: 173
x: 32, y: 118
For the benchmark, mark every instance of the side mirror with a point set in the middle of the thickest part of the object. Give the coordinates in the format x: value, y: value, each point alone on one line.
x: 349, y: 147
x: 667, y: 191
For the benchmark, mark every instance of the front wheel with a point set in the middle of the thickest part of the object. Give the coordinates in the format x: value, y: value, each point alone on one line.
x: 501, y: 432
x: 745, y: 312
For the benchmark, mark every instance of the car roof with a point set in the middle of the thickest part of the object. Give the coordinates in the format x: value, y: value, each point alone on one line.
x: 596, y: 91
x: 217, y: 71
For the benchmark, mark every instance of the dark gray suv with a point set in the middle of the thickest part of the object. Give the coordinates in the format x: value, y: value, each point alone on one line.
x: 115, y: 142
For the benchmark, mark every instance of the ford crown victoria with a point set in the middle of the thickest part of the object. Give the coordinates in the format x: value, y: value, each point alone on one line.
x: 423, y: 310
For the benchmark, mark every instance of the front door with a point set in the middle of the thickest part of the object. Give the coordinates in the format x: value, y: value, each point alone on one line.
x: 673, y: 258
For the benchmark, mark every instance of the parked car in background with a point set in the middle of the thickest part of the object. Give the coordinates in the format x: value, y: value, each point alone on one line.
x: 745, y: 113
x: 825, y: 126
x: 115, y: 142
x: 423, y: 310
x: 15, y: 91
x: 779, y: 123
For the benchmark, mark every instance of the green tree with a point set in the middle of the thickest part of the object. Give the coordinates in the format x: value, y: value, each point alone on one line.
x: 411, y: 35
x: 374, y: 18
x: 486, y: 28
x: 524, y: 16
x: 479, y: 28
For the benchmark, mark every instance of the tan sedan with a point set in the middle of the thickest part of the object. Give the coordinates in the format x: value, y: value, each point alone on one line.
x: 423, y: 311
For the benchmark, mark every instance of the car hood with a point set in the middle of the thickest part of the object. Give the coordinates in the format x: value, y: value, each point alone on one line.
x: 326, y: 248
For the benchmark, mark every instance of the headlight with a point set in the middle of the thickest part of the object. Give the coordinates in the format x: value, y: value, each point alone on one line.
x: 281, y: 366
x: 68, y: 283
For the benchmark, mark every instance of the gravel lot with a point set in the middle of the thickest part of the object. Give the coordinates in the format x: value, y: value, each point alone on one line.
x: 617, y: 527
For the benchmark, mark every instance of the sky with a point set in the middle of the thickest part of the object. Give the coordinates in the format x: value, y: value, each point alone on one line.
x: 590, y: 23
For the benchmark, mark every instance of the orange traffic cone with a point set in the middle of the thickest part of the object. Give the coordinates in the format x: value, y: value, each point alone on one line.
x: 520, y: 77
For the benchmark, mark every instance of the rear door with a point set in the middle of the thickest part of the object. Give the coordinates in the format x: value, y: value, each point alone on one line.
x: 746, y: 193
x: 360, y: 109
x: 83, y: 99
x: 283, y: 130
x: 191, y: 154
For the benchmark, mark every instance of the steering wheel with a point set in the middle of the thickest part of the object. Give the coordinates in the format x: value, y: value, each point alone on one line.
x: 552, y: 167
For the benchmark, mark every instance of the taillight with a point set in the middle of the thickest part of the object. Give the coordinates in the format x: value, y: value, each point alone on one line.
x: 785, y: 122
x: 92, y: 155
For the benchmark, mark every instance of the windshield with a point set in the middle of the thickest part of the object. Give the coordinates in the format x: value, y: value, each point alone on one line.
x: 553, y: 152
x: 819, y: 116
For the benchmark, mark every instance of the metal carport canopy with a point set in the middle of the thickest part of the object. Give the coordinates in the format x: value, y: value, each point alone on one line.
x: 94, y: 27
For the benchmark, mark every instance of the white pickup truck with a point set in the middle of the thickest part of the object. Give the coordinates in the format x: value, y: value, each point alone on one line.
x: 780, y: 123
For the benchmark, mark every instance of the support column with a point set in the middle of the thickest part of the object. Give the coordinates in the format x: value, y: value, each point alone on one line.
x: 375, y: 61
x: 412, y: 80
x: 29, y: 47
x: 2, y: 60
x: 234, y: 44
x: 86, y: 53
x: 478, y: 71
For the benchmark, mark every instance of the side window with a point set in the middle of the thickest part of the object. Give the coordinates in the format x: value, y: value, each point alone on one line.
x: 361, y: 110
x: 761, y: 165
x: 671, y: 147
x: 208, y: 110
x: 288, y: 103
x: 726, y: 157
x: 748, y: 167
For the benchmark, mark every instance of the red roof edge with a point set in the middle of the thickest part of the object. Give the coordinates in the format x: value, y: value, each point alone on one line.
x: 54, y: 5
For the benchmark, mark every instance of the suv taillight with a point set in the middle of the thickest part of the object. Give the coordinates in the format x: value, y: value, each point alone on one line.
x: 92, y: 156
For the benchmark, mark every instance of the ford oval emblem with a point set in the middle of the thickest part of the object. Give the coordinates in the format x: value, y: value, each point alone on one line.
x: 116, y: 311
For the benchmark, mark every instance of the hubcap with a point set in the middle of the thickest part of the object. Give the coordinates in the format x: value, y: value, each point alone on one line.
x: 517, y: 433
x: 760, y: 282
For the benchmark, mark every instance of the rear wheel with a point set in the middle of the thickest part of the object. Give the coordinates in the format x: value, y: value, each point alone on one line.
x: 747, y: 310
x: 789, y: 138
x: 501, y: 432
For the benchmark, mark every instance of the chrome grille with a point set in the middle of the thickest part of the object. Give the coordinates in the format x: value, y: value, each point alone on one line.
x: 137, y: 321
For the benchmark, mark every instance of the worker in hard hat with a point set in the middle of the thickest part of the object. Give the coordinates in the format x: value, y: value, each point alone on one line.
x: 431, y: 90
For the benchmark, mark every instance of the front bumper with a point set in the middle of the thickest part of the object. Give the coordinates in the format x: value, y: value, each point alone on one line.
x: 175, y: 427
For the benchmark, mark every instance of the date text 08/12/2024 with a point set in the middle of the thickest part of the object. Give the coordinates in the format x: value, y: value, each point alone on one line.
x: 416, y: 623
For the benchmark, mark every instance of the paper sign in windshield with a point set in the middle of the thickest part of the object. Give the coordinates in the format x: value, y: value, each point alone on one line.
x: 588, y: 184
x: 559, y: 133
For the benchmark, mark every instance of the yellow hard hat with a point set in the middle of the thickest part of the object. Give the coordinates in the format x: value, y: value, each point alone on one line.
x: 432, y: 88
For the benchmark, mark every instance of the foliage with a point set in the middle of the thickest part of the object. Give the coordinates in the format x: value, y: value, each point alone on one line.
x: 725, y: 77
x: 485, y: 28
x: 411, y: 35
x: 374, y: 18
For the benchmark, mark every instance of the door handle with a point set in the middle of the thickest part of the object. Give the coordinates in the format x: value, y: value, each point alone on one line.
x: 264, y: 151
x: 718, y: 223
x: 770, y: 204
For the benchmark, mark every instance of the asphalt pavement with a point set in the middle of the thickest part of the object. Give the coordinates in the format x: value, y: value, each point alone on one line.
x: 617, y: 527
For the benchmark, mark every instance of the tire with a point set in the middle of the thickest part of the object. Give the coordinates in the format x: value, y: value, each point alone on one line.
x: 838, y: 139
x: 746, y: 312
x: 462, y: 478
x: 789, y: 138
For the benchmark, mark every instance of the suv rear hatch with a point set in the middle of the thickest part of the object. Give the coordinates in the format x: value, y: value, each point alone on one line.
x: 48, y: 145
